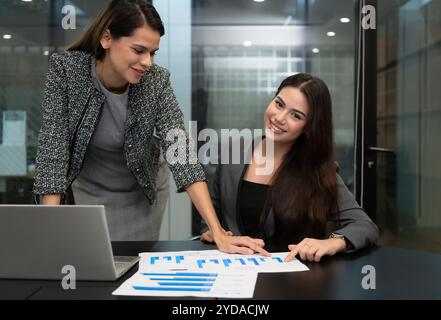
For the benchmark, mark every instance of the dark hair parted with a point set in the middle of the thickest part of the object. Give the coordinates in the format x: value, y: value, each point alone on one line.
x: 121, y: 18
x: 304, y: 188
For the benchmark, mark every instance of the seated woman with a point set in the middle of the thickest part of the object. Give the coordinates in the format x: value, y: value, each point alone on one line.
x: 302, y: 202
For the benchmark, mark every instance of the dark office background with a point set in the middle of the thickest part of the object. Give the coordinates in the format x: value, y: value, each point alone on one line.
x: 394, y: 171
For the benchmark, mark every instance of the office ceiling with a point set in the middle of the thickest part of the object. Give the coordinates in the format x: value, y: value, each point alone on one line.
x: 31, y: 23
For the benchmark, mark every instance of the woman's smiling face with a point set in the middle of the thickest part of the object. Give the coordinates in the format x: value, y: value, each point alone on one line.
x: 286, y: 116
x: 131, y: 56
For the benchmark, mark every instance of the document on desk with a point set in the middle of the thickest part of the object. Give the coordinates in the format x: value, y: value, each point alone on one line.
x: 217, y: 261
x: 194, y: 284
x: 209, y: 273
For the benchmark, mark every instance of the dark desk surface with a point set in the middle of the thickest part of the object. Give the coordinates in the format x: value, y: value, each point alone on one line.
x: 400, y: 274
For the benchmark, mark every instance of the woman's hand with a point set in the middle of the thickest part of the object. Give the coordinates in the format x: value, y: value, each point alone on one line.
x: 226, y: 242
x: 314, y: 249
x: 241, y: 245
x: 208, y: 235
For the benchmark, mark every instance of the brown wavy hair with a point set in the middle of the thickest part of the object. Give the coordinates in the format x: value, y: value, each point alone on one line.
x: 121, y: 18
x: 304, y: 188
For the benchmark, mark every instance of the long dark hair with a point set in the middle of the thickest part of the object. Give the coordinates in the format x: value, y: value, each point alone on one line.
x: 304, y: 188
x: 121, y: 18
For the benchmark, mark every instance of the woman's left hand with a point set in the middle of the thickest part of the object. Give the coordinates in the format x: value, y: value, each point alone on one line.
x: 314, y: 249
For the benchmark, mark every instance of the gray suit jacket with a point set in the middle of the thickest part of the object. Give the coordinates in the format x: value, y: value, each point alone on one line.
x: 71, y: 110
x: 354, y: 224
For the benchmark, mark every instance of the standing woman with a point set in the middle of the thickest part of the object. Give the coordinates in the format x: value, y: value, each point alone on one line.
x: 103, y: 102
x: 302, y: 202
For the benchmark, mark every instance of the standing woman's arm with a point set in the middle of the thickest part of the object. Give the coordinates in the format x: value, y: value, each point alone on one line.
x: 52, y: 153
x: 189, y: 175
x: 51, y: 199
x: 200, y: 197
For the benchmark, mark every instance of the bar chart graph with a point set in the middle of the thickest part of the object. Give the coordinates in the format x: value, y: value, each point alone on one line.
x: 208, y: 273
x: 213, y: 260
x: 189, y: 284
x: 179, y: 281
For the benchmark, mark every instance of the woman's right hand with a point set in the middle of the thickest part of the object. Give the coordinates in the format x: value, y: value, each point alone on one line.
x: 208, y: 235
x: 228, y: 243
x: 241, y: 245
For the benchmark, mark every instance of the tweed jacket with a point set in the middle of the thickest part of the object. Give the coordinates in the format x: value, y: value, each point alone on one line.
x: 70, y: 113
x: 353, y: 223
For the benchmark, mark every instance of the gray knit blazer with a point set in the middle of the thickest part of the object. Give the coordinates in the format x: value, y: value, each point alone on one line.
x: 71, y: 109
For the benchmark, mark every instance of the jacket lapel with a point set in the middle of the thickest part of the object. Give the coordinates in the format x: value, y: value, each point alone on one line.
x: 87, y: 125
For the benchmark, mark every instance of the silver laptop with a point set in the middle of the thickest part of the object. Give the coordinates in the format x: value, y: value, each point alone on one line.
x: 36, y: 242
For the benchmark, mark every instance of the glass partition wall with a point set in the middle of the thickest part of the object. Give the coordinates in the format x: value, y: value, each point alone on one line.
x: 242, y: 50
x: 408, y: 178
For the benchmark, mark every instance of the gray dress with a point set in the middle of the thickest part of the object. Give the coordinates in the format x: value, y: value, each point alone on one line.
x: 105, y: 179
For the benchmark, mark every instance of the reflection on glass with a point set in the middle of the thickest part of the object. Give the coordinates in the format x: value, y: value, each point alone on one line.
x: 239, y: 81
x: 35, y: 33
x: 408, y: 117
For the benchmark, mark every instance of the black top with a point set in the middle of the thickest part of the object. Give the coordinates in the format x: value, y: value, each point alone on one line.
x: 251, y: 205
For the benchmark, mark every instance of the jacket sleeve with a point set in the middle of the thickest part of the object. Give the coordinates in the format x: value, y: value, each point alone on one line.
x: 354, y: 224
x: 52, y: 152
x: 175, y: 143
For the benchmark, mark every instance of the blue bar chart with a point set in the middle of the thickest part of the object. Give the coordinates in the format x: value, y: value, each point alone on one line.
x: 179, y: 282
x: 228, y: 285
x: 214, y: 260
x: 208, y: 273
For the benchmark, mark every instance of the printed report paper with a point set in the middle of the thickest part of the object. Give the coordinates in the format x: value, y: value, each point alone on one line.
x: 217, y: 261
x: 182, y: 284
x: 209, y: 273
